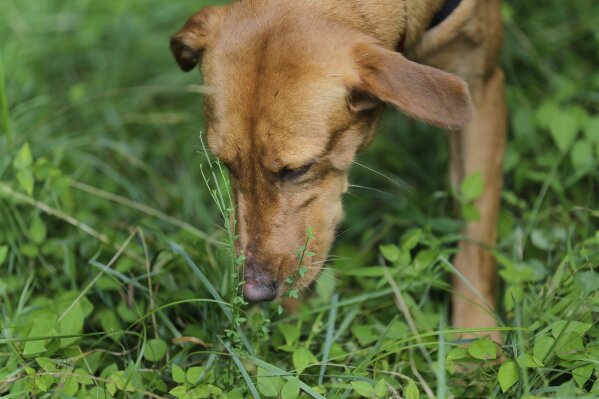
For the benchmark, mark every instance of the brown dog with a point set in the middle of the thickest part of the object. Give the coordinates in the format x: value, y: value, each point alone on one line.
x: 297, y: 87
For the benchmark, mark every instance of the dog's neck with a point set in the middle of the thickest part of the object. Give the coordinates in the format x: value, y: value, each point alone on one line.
x: 392, y: 22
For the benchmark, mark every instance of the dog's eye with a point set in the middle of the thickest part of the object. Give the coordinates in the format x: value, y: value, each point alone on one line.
x: 287, y: 174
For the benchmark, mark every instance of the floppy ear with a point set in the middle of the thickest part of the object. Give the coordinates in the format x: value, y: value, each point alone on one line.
x: 188, y: 44
x: 423, y: 92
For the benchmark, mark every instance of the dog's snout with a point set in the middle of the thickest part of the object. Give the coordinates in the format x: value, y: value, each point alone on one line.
x: 259, y: 285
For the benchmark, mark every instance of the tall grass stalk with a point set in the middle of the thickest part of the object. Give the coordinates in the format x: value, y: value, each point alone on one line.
x: 221, y: 194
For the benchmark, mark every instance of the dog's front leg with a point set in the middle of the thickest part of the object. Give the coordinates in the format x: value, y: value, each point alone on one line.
x: 479, y: 148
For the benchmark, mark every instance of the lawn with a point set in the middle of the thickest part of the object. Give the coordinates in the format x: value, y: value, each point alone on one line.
x: 117, y: 275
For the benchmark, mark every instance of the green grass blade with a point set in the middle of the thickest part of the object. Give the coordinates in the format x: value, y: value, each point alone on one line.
x: 441, y: 372
x: 329, y: 337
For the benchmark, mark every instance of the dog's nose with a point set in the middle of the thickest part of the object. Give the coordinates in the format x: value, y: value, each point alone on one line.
x: 260, y: 291
x: 259, y: 284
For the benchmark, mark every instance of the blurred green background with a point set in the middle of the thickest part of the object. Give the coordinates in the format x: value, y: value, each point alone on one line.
x: 99, y: 126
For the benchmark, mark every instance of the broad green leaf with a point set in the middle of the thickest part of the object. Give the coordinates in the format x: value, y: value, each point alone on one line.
x: 26, y: 181
x: 155, y: 350
x: 37, y: 231
x: 108, y: 283
x: 71, y: 324
x: 178, y: 374
x: 571, y: 327
x: 363, y: 388
x: 269, y: 385
x: 125, y: 313
x: 23, y: 159
x: 111, y: 388
x: 390, y: 252
x: 545, y: 114
x: 293, y: 294
x: 200, y: 392
x: 397, y: 330
x: 426, y: 257
x: 214, y: 390
x: 582, y: 374
x: 109, y: 370
x: 193, y: 374
x: 291, y: 389
x: 46, y: 364
x: 508, y: 375
x: 526, y: 360
x: 380, y: 389
x: 110, y: 324
x: 302, y: 358
x: 86, y: 306
x: 542, y: 347
x: 159, y: 385
x: 121, y: 381
x: 587, y: 281
x: 541, y: 239
x: 595, y: 388
x: 563, y: 128
x: 411, y: 391
x: 41, y: 384
x: 132, y: 377
x: 3, y: 254
x: 472, y: 187
x: 37, y: 346
x: 234, y: 394
x: 566, y: 390
x: 457, y: 353
x: 365, y: 334
x: 82, y: 377
x: 290, y: 332
x: 582, y: 156
x: 70, y: 387
x: 178, y: 391
x: 411, y: 240
x: 592, y: 129
x: 570, y: 347
x: 483, y: 349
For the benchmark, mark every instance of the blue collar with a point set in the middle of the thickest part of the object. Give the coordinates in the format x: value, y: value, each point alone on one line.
x: 448, y: 7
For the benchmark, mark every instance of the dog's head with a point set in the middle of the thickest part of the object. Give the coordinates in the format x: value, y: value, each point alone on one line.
x: 292, y: 97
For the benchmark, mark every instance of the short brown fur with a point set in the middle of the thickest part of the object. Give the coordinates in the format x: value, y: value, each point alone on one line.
x: 297, y: 88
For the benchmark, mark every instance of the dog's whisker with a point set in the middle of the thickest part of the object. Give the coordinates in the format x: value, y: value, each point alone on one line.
x: 399, y: 183
x: 312, y: 266
x: 339, y: 234
x: 372, y: 189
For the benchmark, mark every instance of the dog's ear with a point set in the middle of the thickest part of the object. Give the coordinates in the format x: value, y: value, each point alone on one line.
x: 426, y: 93
x: 188, y: 44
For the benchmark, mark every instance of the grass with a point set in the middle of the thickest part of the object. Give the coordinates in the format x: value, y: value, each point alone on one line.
x: 117, y: 274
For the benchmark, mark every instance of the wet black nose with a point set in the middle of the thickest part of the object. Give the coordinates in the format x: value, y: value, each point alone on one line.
x: 259, y: 284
